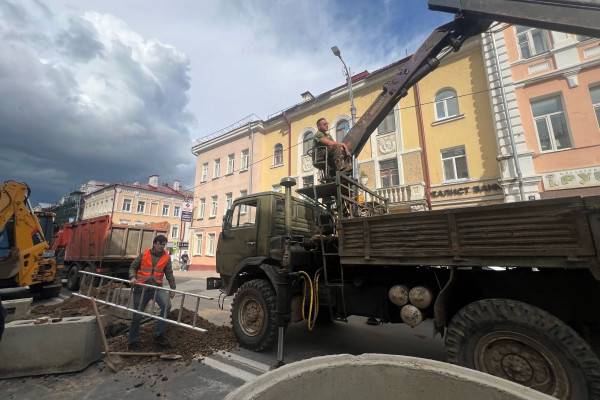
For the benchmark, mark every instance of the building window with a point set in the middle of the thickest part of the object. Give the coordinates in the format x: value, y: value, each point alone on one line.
x: 551, y: 124
x: 388, y: 125
x: 141, y: 207
x: 308, y: 180
x: 455, y: 164
x: 217, y: 169
x: 202, y: 208
x: 126, y: 205
x: 243, y: 206
x: 214, y: 205
x: 165, y: 210
x: 595, y: 92
x: 307, y: 142
x: 446, y: 104
x: 532, y: 41
x: 230, y: 163
x: 278, y: 154
x: 175, y: 232
x: 176, y: 210
x: 204, y: 172
x: 198, y: 245
x: 228, y: 201
x: 388, y: 171
x: 341, y: 129
x: 245, y: 160
x: 210, y: 246
x: 277, y: 188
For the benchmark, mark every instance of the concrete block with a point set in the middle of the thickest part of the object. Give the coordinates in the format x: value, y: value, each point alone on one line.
x: 68, y: 345
x: 17, y: 309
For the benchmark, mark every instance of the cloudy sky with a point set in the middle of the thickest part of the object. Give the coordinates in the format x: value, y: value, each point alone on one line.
x: 116, y: 90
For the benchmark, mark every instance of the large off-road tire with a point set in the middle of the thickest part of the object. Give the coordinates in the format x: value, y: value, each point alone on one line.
x: 73, y: 278
x: 253, y: 315
x: 45, y: 290
x: 524, y: 344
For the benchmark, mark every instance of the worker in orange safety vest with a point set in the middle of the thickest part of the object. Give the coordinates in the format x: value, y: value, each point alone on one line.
x: 149, y: 268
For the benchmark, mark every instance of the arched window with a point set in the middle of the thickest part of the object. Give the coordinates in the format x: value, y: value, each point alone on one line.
x: 307, y: 141
x: 446, y: 104
x: 278, y: 154
x: 341, y: 129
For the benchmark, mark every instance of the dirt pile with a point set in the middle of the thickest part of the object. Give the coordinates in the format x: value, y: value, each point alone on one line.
x: 183, y: 341
x: 71, y: 307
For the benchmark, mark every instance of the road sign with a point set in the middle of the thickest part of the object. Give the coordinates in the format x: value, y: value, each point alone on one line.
x: 186, y: 216
x: 188, y: 205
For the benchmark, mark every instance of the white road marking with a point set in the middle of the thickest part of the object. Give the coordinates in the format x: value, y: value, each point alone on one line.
x: 229, y: 370
x: 245, y: 361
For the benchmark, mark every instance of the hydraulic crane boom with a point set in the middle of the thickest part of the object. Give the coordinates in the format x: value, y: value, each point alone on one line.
x: 472, y: 18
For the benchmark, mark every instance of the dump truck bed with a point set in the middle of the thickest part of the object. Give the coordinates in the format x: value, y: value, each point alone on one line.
x: 558, y: 233
x: 97, y: 239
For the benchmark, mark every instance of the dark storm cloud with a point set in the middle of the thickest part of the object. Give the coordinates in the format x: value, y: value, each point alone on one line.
x: 84, y: 97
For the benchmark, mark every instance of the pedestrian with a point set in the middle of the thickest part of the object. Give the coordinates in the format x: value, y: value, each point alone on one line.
x: 184, y: 262
x: 149, y: 268
x: 338, y: 156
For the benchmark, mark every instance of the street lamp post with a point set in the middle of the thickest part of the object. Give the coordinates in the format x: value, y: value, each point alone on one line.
x: 336, y: 52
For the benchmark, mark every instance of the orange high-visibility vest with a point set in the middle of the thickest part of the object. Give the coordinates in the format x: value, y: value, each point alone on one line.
x: 147, y: 270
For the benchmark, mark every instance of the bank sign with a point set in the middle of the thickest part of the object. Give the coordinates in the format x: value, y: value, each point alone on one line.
x: 572, y: 179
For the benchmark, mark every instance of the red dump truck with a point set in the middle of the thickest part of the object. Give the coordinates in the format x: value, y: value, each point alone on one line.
x: 98, y: 245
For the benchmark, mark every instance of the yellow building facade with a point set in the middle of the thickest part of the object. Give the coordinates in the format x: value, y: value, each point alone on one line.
x: 440, y: 154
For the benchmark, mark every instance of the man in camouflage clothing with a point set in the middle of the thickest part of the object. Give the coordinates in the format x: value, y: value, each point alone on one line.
x: 338, y: 156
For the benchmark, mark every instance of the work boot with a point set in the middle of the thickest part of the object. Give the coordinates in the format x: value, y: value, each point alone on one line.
x: 162, y: 341
x: 372, y: 321
x: 135, y: 346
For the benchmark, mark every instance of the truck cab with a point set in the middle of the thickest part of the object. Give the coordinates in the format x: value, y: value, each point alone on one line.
x: 253, y: 235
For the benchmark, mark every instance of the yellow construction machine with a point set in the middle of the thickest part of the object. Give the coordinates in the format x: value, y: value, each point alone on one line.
x: 25, y: 258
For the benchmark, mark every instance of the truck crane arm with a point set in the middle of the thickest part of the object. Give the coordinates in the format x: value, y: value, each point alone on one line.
x: 473, y: 17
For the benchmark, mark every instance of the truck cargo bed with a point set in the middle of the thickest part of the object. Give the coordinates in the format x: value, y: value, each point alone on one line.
x: 545, y: 233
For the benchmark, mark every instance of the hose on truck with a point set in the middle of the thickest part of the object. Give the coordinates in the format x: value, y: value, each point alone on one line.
x: 312, y: 287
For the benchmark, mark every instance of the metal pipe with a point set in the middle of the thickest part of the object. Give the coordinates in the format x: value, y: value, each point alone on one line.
x: 423, y: 143
x: 288, y: 183
x: 513, y: 145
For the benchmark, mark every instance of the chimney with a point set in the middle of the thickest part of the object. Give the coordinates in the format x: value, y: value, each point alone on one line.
x: 176, y: 185
x: 307, y: 96
x: 153, y: 180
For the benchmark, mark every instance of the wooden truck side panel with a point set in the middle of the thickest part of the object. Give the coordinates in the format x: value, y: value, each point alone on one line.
x: 544, y: 233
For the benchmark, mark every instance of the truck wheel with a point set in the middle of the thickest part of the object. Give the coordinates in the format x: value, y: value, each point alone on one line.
x: 524, y: 344
x: 73, y: 278
x: 253, y: 315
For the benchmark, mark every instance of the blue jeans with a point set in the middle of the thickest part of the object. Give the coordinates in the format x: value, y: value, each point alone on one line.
x: 162, y: 298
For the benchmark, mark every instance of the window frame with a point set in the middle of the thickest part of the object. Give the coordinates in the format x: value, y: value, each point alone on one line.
x: 165, y: 214
x: 444, y: 101
x: 530, y: 42
x: 394, y: 130
x: 143, y: 202
x: 175, y: 232
x: 243, y: 208
x: 245, y: 160
x: 453, y: 158
x: 130, y: 203
x: 198, y: 244
x: 228, y: 200
x: 307, y: 144
x: 214, y: 205
x: 217, y: 168
x: 210, y: 244
x: 176, y: 211
x: 204, y: 177
x: 548, y: 120
x: 230, y: 163
x: 337, y: 125
x: 277, y: 150
x: 202, y: 208
x: 595, y: 106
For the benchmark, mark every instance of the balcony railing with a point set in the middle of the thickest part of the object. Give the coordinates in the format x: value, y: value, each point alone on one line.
x: 403, y: 194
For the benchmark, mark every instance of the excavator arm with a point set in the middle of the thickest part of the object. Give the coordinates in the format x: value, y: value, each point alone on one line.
x: 473, y: 17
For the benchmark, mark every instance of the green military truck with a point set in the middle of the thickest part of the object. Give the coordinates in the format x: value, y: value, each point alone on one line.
x: 513, y: 288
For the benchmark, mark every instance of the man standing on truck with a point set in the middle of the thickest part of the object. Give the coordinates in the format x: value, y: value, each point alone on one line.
x: 149, y: 268
x: 338, y: 156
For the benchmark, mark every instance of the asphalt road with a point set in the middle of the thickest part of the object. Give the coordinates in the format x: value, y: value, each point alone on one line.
x: 214, y: 377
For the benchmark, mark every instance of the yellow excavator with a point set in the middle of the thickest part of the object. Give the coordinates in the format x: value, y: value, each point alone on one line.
x: 25, y: 258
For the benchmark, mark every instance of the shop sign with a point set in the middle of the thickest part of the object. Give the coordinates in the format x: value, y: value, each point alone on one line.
x: 572, y: 179
x: 186, y: 216
x: 467, y: 190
